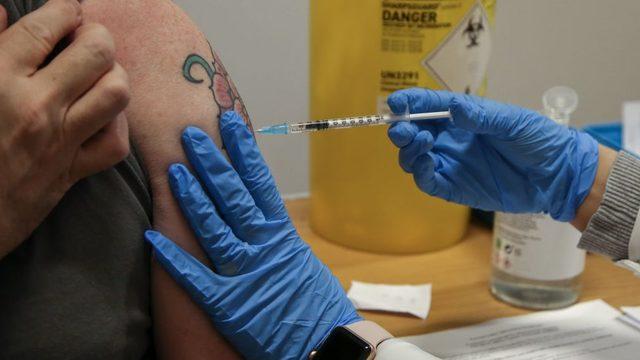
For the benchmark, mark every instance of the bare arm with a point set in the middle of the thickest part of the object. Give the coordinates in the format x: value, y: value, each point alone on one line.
x: 606, y: 158
x: 175, y: 81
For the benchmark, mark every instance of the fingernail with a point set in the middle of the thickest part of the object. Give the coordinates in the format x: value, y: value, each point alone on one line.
x: 196, y: 143
x: 398, y: 103
x: 177, y: 177
x: 157, y: 241
x: 401, y: 134
x: 175, y: 171
x: 230, y: 119
x: 228, y: 116
x: 151, y: 236
x: 193, y: 134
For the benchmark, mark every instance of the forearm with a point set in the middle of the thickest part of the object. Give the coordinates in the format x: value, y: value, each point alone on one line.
x: 154, y: 39
x: 606, y: 158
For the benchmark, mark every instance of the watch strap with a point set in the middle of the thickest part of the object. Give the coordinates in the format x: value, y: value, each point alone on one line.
x: 370, y: 332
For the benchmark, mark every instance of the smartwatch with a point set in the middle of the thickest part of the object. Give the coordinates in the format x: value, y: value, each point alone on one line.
x: 357, y: 341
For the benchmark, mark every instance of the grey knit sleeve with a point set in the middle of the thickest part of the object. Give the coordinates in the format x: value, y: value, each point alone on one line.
x: 609, y: 230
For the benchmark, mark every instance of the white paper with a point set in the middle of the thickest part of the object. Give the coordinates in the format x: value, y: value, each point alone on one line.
x: 629, y: 265
x: 586, y: 331
x: 410, y: 299
x: 632, y: 311
x: 630, y: 321
x: 631, y: 126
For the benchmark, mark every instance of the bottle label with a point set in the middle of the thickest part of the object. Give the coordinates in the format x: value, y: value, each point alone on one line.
x: 536, y: 247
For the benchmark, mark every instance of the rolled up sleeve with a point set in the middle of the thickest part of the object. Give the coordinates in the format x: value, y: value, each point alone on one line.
x: 614, y: 230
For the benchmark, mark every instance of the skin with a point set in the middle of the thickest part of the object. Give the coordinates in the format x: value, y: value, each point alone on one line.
x: 606, y: 158
x: 166, y: 97
x: 154, y: 39
x: 60, y: 121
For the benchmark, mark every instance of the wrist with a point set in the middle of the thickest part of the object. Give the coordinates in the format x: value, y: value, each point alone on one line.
x: 370, y: 331
x: 360, y: 339
x: 606, y: 158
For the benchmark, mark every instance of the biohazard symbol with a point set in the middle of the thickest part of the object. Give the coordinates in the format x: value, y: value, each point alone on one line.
x: 472, y: 31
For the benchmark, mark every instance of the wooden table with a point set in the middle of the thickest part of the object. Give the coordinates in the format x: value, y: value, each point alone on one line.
x: 459, y: 276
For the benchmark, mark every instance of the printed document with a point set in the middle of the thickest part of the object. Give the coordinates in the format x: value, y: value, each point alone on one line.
x: 587, y: 331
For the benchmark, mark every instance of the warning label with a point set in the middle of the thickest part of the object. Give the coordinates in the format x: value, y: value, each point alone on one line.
x: 460, y: 62
x: 404, y: 22
x: 439, y: 44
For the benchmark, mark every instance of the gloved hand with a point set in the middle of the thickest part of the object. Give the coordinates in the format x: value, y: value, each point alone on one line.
x: 269, y: 295
x: 494, y: 156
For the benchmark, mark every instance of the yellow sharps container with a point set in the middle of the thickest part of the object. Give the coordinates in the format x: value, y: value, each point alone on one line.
x: 361, y: 51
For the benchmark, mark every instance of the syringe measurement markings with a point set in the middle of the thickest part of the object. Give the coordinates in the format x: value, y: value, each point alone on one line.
x: 336, y: 123
x: 352, y: 122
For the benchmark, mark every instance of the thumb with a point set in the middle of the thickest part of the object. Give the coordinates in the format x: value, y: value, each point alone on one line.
x: 398, y: 102
x: 469, y: 115
x: 418, y: 100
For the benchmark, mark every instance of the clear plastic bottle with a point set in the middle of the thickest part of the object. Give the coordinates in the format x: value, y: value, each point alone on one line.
x: 536, y: 262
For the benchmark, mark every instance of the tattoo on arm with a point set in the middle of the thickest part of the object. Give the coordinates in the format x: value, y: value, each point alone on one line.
x: 224, y: 92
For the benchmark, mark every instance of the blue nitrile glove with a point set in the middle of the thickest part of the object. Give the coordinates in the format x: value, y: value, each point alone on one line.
x: 270, y: 296
x: 494, y: 156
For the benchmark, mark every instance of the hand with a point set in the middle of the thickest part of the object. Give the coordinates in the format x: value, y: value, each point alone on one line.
x: 269, y: 295
x: 494, y: 156
x: 59, y: 122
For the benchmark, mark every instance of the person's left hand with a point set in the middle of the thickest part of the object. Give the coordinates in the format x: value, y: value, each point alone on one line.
x: 269, y: 295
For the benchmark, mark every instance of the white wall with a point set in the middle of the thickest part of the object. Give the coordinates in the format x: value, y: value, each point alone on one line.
x: 591, y: 45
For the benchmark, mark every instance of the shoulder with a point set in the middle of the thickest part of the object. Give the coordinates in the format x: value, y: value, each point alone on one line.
x: 149, y: 19
x: 153, y: 40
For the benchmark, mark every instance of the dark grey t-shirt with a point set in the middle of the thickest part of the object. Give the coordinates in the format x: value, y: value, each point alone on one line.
x: 78, y: 288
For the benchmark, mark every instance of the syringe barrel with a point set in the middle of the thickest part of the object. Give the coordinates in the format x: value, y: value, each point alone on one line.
x: 356, y: 121
x: 338, y: 123
x: 310, y: 126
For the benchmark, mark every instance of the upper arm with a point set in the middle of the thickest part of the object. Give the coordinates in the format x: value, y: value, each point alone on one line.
x: 176, y: 81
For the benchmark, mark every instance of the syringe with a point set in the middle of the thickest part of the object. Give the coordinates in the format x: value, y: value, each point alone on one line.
x: 349, y: 122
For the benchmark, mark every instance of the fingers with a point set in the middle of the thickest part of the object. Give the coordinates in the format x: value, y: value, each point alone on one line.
x: 471, y: 116
x: 416, y: 158
x: 102, y: 151
x: 222, y: 182
x: 418, y: 100
x: 216, y: 238
x: 82, y: 63
x: 402, y: 133
x: 108, y: 98
x: 246, y: 158
x: 428, y: 180
x: 197, y: 279
x: 467, y: 111
x: 412, y: 141
x: 4, y: 19
x: 421, y: 145
x: 28, y: 43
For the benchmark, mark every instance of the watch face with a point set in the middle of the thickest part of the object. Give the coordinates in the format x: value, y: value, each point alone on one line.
x: 343, y: 345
